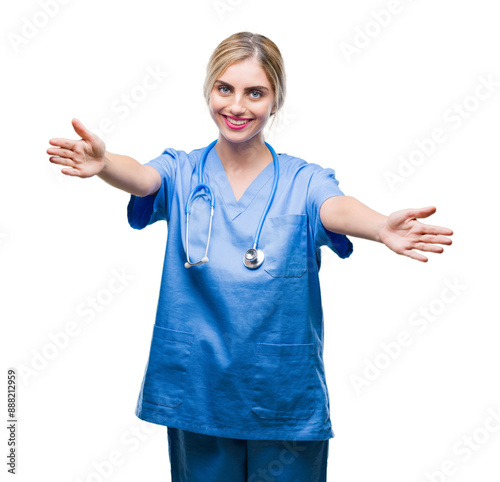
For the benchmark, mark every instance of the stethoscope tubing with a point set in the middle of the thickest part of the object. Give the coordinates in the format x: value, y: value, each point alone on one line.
x: 201, y: 186
x: 271, y: 197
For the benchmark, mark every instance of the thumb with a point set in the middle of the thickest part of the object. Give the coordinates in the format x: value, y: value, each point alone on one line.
x: 422, y: 212
x: 80, y: 129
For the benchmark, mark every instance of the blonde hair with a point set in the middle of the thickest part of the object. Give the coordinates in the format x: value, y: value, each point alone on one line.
x: 241, y: 46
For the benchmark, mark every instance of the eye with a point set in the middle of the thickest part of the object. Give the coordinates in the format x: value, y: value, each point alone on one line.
x: 222, y: 87
x: 256, y: 92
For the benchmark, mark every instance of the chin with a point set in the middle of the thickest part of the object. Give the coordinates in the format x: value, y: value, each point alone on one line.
x: 237, y: 138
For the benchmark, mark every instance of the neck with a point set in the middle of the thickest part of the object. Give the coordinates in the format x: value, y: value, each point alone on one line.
x: 237, y: 156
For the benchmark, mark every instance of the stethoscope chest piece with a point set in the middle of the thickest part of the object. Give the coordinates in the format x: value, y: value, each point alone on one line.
x: 253, y: 258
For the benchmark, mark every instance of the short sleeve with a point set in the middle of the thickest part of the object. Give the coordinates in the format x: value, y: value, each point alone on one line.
x: 322, y: 186
x: 146, y: 210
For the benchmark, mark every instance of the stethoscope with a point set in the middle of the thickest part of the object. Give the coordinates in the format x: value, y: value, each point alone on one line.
x: 253, y: 256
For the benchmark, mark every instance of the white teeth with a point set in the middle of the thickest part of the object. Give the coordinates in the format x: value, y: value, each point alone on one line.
x: 237, y: 122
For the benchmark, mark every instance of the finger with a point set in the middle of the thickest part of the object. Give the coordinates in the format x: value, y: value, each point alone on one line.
x: 71, y: 172
x: 60, y: 152
x: 62, y: 161
x: 428, y: 247
x: 427, y: 238
x: 66, y: 143
x: 80, y: 129
x: 430, y: 229
x: 415, y: 255
x: 422, y: 212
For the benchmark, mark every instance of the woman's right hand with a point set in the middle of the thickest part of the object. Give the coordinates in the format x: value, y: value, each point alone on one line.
x: 85, y: 157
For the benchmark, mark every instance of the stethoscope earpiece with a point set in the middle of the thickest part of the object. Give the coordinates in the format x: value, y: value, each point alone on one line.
x: 253, y: 257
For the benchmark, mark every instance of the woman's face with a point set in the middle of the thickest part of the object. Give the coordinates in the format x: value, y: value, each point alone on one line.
x: 244, y: 95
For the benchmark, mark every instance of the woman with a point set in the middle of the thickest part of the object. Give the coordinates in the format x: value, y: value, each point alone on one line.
x: 235, y: 369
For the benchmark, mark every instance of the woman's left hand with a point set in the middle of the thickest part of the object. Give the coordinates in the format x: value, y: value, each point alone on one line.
x: 403, y: 233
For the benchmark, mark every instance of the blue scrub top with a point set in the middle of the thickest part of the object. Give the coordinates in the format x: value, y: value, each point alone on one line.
x: 237, y: 352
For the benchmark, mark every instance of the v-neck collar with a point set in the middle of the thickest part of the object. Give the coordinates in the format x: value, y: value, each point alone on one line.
x: 217, y: 172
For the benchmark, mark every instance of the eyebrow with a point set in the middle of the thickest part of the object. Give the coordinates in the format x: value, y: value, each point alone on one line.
x: 261, y: 87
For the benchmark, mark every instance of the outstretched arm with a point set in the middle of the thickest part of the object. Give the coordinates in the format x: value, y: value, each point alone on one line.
x: 400, y: 231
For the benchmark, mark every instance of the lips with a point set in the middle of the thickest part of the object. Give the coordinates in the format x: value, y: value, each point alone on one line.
x: 240, y: 123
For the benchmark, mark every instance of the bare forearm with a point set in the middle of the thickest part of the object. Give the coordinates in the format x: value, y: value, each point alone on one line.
x: 347, y: 215
x: 127, y: 174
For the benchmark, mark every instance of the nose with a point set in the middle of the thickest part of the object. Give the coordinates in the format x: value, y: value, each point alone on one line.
x: 238, y: 105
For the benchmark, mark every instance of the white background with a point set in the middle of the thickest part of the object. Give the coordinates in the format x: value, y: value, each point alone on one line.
x: 62, y: 239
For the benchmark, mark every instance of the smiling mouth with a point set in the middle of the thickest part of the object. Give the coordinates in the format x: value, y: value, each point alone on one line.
x: 237, y: 122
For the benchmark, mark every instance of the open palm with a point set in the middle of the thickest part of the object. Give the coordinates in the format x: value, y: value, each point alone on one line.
x: 84, y: 157
x: 403, y: 233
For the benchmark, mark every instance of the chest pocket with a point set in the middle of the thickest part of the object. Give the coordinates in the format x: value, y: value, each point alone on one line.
x: 286, y: 245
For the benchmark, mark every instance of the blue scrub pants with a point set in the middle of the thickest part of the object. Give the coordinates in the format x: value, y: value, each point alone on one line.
x: 197, y: 457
